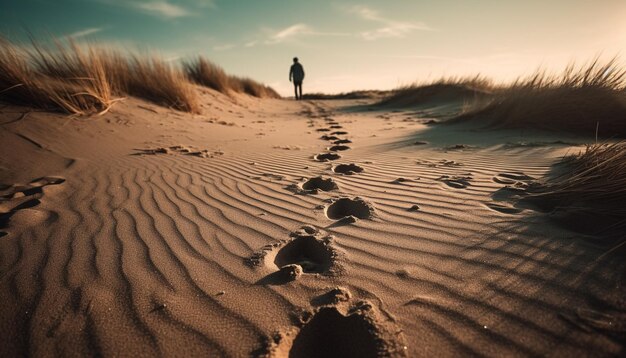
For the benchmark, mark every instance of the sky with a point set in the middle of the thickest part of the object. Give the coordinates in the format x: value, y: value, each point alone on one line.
x: 343, y: 45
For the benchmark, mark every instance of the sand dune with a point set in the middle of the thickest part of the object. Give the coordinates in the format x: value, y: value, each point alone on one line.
x: 172, y: 234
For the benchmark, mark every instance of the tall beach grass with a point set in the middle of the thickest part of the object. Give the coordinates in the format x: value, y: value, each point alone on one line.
x: 88, y: 78
x: 582, y: 99
x: 35, y: 78
x: 590, y: 192
x: 443, y: 89
x: 205, y: 73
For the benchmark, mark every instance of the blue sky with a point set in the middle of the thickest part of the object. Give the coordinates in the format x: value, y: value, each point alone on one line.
x: 343, y: 45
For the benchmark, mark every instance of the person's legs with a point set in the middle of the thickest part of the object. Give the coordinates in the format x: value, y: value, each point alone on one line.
x: 299, y: 88
x: 295, y: 89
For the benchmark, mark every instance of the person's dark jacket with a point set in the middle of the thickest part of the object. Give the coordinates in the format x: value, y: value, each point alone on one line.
x: 296, y: 72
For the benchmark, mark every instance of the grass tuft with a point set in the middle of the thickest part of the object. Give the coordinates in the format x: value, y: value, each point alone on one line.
x: 579, y: 100
x: 360, y: 94
x: 157, y: 81
x: 254, y: 88
x: 592, y: 189
x: 35, y: 78
x: 208, y: 74
x: 444, y: 89
x: 87, y: 78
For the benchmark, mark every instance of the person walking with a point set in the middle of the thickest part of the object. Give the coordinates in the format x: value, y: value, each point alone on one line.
x: 296, y: 73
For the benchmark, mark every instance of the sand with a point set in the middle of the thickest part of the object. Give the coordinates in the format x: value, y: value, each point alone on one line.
x: 242, y: 232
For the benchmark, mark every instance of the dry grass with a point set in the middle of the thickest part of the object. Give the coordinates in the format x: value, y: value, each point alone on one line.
x: 579, y: 100
x: 155, y: 80
x: 361, y: 94
x: 208, y: 74
x: 147, y: 77
x: 592, y: 189
x: 444, y: 89
x: 85, y: 79
x: 81, y: 88
x: 254, y: 88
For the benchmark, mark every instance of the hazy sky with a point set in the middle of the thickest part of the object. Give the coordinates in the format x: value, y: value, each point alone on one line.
x: 343, y: 45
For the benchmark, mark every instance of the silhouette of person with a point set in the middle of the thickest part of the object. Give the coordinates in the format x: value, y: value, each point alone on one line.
x: 296, y: 72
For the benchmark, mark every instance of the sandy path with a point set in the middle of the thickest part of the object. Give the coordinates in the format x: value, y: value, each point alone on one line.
x: 141, y: 255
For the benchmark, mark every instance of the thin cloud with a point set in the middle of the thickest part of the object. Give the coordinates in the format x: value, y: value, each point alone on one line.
x: 162, y: 8
x: 295, y: 31
x: 84, y: 33
x: 224, y: 47
x: 289, y: 33
x: 366, y: 13
x: 391, y: 29
x: 397, y: 30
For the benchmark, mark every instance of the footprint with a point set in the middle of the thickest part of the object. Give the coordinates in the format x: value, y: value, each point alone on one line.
x: 32, y: 188
x: 13, y: 205
x: 43, y: 181
x: 309, y: 251
x: 313, y: 254
x: 509, y: 199
x: 274, y: 176
x: 329, y: 137
x: 346, y: 207
x: 505, y: 208
x: 449, y: 163
x: 339, y: 133
x: 400, y: 180
x: 353, y: 336
x: 332, y: 297
x: 342, y: 141
x: 455, y: 181
x: 324, y: 157
x: 336, y: 126
x: 313, y: 186
x: 15, y: 199
x: 340, y: 147
x: 323, y: 130
x: 510, y: 193
x: 319, y: 183
x: 459, y: 147
x: 205, y: 153
x: 338, y: 330
x: 511, y: 178
x: 348, y: 169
